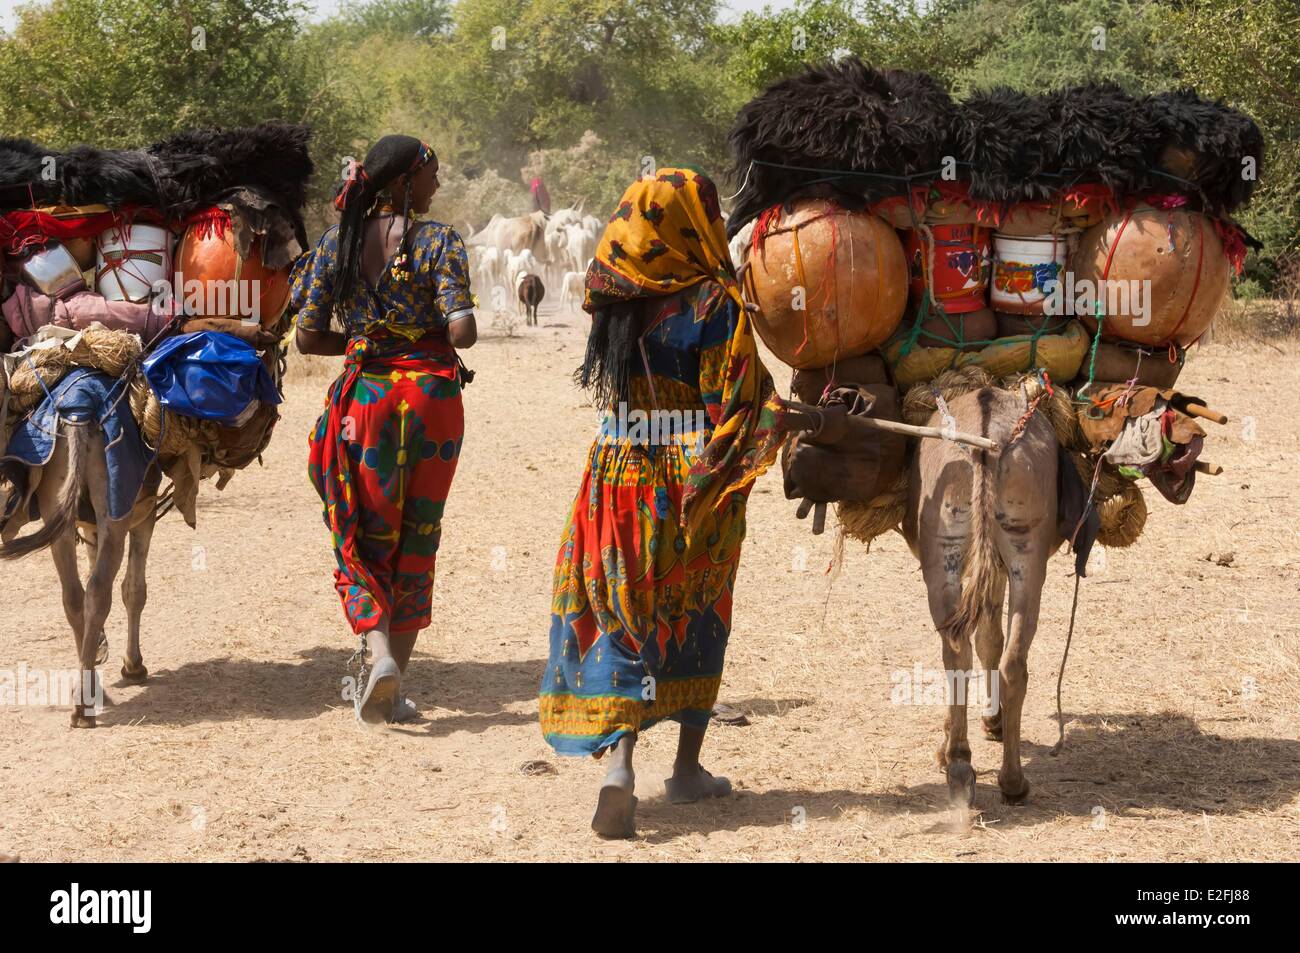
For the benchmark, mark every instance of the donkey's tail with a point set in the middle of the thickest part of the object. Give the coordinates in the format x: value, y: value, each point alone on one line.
x: 983, y: 568
x: 65, y: 509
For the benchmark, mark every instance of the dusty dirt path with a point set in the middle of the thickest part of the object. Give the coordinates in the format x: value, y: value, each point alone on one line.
x: 1183, y: 690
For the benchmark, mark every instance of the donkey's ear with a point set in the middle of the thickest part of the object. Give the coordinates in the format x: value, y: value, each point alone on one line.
x: 1077, y: 520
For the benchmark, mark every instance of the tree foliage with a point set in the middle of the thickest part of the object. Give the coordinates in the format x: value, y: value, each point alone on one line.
x: 587, y: 92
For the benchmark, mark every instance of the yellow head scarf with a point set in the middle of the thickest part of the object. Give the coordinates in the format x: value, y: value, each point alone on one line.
x: 667, y: 235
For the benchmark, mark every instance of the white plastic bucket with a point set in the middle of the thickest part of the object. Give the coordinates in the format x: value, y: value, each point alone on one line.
x: 1022, y: 267
x: 128, y: 260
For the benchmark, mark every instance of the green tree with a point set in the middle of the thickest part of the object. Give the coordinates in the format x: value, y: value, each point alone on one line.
x: 130, y: 72
x: 1248, y: 54
x: 901, y: 34
x: 422, y: 18
x: 1036, y: 45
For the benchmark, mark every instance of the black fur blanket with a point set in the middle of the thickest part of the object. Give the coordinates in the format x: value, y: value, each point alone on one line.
x: 841, y: 117
x: 175, y: 176
x: 863, y: 130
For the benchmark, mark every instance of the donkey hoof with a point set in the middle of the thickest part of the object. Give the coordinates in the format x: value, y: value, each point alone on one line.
x: 961, y: 784
x: 1014, y: 794
x: 946, y: 756
x: 136, y: 676
x: 82, y: 721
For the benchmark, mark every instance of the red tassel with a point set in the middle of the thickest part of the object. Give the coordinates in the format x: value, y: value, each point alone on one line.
x: 356, y: 175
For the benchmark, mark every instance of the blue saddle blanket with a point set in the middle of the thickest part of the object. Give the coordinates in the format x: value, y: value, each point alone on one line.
x: 83, y: 397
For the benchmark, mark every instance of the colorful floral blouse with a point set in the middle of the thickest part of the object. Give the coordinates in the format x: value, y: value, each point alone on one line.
x: 413, y: 300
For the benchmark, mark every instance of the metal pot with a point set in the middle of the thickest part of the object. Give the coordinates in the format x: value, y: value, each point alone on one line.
x: 53, y: 271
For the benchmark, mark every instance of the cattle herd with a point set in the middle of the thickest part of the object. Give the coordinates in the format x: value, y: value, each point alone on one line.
x: 554, y: 250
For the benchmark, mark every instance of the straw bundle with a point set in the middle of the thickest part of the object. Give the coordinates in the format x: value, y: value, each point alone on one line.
x: 112, y: 352
x: 865, y: 521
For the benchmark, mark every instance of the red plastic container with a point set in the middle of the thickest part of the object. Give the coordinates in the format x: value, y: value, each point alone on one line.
x: 961, y: 262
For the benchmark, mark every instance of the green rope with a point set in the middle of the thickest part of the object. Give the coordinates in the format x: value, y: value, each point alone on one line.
x: 915, y: 332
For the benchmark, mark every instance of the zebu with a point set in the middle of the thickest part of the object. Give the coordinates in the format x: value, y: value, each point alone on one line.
x: 524, y: 233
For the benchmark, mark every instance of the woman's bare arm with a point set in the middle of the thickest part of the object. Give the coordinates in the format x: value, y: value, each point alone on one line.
x: 326, y: 343
x: 463, y: 332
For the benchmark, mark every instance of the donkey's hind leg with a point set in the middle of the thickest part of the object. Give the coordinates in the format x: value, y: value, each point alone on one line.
x: 87, y: 531
x: 988, y: 646
x: 110, y: 538
x: 134, y: 593
x: 944, y: 530
x: 63, y: 548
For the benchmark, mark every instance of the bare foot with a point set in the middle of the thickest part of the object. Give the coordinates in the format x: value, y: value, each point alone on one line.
x: 616, y: 808
x: 694, y: 784
x: 404, y: 710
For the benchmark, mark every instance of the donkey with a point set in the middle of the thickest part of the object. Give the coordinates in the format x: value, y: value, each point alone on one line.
x: 978, y: 520
x: 73, y: 485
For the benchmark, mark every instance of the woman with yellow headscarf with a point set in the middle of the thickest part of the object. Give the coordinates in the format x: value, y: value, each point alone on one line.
x: 641, y: 610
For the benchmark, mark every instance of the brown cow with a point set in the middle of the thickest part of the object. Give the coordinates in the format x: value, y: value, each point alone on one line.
x: 531, y: 292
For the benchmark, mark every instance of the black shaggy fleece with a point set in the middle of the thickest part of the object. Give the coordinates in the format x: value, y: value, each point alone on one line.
x: 842, y: 116
x: 1099, y: 133
x: 1222, y: 139
x: 1011, y: 146
x: 1003, y: 139
x: 176, y: 176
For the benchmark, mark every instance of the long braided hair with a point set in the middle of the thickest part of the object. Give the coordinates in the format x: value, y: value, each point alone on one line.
x: 356, y: 196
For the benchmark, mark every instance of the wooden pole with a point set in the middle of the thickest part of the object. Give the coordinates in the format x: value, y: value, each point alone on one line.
x: 835, y: 420
x: 894, y: 426
x: 1200, y: 410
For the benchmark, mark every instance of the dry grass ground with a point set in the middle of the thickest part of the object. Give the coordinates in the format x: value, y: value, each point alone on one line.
x: 1182, y: 692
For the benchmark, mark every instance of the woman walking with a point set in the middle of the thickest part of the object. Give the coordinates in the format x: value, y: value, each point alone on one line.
x: 641, y: 609
x: 384, y: 451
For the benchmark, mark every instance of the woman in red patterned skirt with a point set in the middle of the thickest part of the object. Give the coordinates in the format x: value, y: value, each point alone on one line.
x: 384, y: 452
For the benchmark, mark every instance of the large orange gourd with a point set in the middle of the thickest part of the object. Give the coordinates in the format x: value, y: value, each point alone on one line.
x: 846, y: 269
x: 209, y: 255
x: 1177, y: 251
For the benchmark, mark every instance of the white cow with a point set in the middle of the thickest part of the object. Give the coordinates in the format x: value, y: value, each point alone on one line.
x: 562, y: 218
x: 580, y: 245
x: 523, y: 233
x: 518, y: 265
x: 557, y: 227
x: 572, y: 288
x: 487, y: 266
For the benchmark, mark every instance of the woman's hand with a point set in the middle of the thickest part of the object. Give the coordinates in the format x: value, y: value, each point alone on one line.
x: 463, y: 332
x: 325, y: 343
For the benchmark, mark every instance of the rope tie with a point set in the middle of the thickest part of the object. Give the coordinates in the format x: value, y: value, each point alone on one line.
x: 1196, y: 282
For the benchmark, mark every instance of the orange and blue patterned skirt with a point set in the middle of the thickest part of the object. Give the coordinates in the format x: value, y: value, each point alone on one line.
x: 639, y: 623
